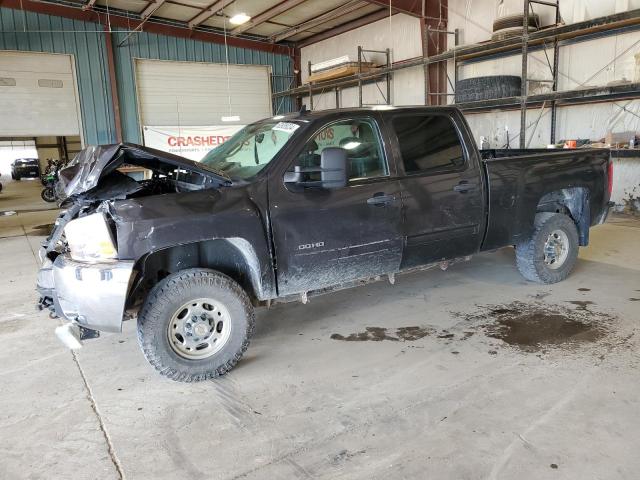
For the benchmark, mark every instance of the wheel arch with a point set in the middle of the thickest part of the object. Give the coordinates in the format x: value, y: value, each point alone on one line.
x: 235, y: 257
x: 573, y: 202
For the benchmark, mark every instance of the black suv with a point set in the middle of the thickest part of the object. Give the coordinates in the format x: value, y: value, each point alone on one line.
x: 25, y: 168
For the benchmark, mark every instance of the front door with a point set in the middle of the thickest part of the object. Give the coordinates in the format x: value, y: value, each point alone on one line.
x: 327, y: 237
x: 441, y: 188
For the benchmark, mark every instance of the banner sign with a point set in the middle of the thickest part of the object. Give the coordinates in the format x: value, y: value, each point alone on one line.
x: 189, y: 142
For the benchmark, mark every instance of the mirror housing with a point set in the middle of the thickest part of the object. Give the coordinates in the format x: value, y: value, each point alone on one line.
x: 332, y: 170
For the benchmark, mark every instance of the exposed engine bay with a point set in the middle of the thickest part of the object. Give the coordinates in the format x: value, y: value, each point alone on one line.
x: 91, y: 183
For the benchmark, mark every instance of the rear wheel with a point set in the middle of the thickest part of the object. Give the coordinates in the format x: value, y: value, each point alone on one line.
x: 551, y: 252
x: 195, y: 325
x: 48, y: 195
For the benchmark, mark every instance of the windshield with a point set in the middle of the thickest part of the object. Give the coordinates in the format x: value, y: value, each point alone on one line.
x: 251, y: 149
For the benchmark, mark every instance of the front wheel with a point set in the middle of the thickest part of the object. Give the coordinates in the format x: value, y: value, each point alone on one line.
x: 195, y: 325
x: 551, y: 252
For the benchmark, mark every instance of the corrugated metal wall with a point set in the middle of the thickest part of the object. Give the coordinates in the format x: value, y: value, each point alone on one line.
x: 27, y: 31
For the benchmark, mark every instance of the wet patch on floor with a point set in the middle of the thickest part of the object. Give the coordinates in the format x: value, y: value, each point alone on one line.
x: 540, y: 295
x: 43, y: 229
x: 538, y: 327
x: 378, y: 334
x: 11, y: 326
x: 581, y: 304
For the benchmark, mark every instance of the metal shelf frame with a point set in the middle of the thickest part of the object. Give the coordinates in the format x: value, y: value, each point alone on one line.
x: 557, y: 36
x: 357, y: 80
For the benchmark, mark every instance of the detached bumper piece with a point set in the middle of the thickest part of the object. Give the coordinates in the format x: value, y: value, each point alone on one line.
x: 90, y: 296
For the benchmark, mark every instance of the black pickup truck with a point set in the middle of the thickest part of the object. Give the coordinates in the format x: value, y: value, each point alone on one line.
x: 298, y: 205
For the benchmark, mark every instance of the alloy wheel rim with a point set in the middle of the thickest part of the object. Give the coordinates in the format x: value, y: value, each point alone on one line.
x: 556, y: 249
x: 199, y: 329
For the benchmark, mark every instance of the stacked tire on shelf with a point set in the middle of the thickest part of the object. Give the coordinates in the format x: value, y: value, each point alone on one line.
x: 511, y: 26
x: 497, y: 86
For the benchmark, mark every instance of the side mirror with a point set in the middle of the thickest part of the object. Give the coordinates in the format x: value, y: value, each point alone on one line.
x: 332, y: 170
x: 333, y: 163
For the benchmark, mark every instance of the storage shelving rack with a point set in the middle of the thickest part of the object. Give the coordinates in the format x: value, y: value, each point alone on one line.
x: 361, y: 58
x: 558, y: 35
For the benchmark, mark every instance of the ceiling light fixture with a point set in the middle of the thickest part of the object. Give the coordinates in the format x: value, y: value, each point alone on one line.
x: 239, y: 19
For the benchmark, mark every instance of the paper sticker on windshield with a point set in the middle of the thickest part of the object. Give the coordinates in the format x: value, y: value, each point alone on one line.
x: 286, y: 127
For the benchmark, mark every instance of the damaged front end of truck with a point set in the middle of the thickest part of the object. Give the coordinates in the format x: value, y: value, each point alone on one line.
x: 86, y: 274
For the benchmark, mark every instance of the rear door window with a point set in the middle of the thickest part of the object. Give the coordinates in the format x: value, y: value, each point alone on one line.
x: 429, y: 144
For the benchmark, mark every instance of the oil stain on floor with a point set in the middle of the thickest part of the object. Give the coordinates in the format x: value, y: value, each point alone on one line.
x: 378, y: 334
x: 534, y: 327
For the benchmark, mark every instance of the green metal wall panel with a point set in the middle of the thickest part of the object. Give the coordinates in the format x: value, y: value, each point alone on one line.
x: 33, y: 32
x: 27, y: 31
x: 160, y: 47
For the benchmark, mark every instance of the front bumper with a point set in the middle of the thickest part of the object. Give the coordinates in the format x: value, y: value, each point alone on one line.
x: 91, y: 295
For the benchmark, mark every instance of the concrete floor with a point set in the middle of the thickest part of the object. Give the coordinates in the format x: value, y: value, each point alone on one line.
x: 303, y: 403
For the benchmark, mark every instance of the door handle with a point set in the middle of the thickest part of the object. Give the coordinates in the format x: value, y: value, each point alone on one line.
x: 463, y: 187
x: 380, y: 199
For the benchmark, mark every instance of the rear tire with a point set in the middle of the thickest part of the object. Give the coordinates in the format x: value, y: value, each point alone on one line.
x: 167, y: 335
x: 487, y: 88
x: 512, y: 21
x: 551, y: 252
x: 48, y: 195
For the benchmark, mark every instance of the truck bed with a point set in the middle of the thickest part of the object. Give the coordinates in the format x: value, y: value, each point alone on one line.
x: 522, y: 182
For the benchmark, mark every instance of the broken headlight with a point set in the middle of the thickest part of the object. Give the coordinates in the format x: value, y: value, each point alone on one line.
x: 89, y: 239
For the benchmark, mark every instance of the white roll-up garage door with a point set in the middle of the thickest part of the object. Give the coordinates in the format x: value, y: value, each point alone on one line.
x: 197, y: 94
x: 38, y: 95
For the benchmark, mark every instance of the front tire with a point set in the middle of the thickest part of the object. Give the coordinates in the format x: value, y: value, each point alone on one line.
x: 195, y: 325
x: 551, y: 252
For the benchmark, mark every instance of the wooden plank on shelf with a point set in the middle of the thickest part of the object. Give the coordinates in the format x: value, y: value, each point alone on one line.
x: 344, y: 70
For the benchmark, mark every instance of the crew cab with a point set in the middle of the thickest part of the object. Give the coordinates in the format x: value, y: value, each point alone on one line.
x: 293, y: 206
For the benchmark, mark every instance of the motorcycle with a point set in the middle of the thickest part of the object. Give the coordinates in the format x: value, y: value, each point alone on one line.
x: 48, y: 193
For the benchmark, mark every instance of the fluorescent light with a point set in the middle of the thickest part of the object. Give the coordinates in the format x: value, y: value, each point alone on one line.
x: 239, y: 19
x: 233, y: 118
x: 383, y: 107
x: 278, y: 117
x: 351, y: 145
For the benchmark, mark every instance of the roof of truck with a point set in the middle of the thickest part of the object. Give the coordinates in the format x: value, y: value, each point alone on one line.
x: 305, y: 114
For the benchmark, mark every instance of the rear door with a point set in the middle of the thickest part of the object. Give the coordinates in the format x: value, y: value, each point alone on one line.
x: 328, y: 237
x: 441, y: 183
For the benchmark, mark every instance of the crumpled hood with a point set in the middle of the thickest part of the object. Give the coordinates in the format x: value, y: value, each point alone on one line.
x: 95, y: 162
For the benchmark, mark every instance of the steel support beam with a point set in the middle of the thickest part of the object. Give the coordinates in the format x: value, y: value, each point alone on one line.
x: 208, y: 12
x: 524, y: 76
x: 89, y: 5
x: 345, y: 27
x: 267, y: 15
x: 350, y: 7
x: 151, y: 8
x: 120, y: 20
x: 115, y: 99
x: 435, y: 42
x: 410, y: 7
